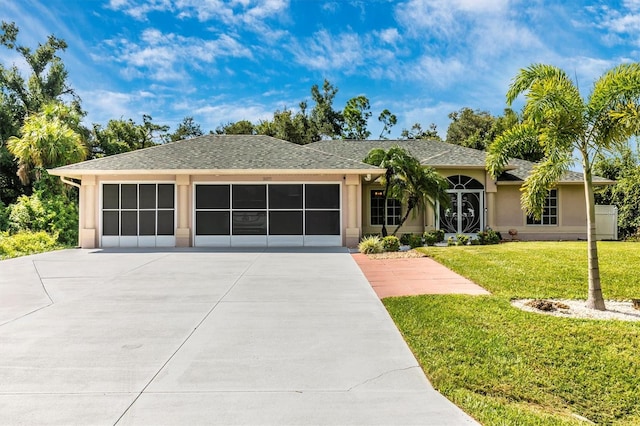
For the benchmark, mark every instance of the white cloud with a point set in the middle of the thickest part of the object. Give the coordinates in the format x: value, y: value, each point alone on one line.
x: 326, y: 51
x: 166, y: 57
x: 248, y: 14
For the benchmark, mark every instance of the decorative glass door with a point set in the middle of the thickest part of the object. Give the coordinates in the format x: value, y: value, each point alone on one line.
x: 465, y: 213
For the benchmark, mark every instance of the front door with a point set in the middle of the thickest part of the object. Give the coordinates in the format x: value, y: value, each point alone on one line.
x: 464, y: 215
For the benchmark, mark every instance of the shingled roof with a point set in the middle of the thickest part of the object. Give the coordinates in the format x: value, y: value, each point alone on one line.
x: 440, y: 154
x: 234, y: 153
x: 219, y: 152
x: 430, y: 152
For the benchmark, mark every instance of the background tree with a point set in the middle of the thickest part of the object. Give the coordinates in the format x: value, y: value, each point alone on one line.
x: 556, y: 115
x: 242, y: 127
x: 416, y: 132
x: 356, y: 116
x: 288, y: 126
x: 326, y: 121
x: 388, y: 120
x: 187, y: 129
x: 20, y: 95
x: 126, y: 135
x: 48, y: 140
x: 470, y: 128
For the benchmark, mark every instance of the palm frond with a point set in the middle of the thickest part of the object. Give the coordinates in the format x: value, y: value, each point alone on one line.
x: 519, y: 138
x: 543, y: 178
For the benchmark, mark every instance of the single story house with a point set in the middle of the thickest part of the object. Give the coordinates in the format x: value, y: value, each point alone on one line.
x: 254, y: 190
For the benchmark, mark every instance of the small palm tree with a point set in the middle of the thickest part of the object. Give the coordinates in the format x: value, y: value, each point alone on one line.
x: 49, y: 139
x: 407, y: 180
x: 418, y: 186
x: 392, y: 160
x: 562, y: 122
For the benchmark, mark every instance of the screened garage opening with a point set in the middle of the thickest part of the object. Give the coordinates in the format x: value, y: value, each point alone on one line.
x: 261, y: 215
x: 138, y: 215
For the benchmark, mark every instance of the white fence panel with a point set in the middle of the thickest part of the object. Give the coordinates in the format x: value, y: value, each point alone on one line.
x: 606, y: 223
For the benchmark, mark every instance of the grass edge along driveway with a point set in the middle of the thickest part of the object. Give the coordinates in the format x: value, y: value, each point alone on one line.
x: 509, y: 367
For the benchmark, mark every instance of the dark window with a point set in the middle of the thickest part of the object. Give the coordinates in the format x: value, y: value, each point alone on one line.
x: 111, y: 196
x: 147, y: 221
x: 129, y: 225
x: 110, y: 223
x: 322, y: 223
x: 212, y: 196
x: 249, y: 223
x: 148, y: 196
x: 212, y: 223
x: 285, y: 196
x: 285, y: 223
x: 165, y: 195
x: 549, y: 211
x: 249, y: 196
x: 129, y: 196
x: 165, y: 222
x: 394, y: 209
x: 322, y: 196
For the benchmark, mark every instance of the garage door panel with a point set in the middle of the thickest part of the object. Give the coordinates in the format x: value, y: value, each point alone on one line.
x: 137, y: 214
x: 260, y: 215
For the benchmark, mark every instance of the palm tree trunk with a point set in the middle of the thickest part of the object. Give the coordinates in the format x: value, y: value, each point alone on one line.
x: 410, y: 206
x: 595, y: 300
x: 384, y: 203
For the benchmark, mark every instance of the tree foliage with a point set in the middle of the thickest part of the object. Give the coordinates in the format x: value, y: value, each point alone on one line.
x: 49, y: 139
x: 356, y: 116
x: 388, y: 120
x: 470, y: 128
x: 242, y: 127
x: 187, y: 129
x: 556, y: 115
x: 126, y: 135
x: 21, y: 95
x: 417, y: 132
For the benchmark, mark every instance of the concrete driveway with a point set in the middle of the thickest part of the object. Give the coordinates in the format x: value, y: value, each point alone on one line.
x: 204, y: 337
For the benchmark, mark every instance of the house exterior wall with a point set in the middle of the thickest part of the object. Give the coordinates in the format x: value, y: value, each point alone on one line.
x: 572, y: 217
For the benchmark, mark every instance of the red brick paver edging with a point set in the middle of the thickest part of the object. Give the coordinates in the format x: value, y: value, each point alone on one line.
x: 413, y: 276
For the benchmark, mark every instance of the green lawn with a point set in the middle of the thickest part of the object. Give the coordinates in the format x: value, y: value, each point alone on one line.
x: 508, y: 367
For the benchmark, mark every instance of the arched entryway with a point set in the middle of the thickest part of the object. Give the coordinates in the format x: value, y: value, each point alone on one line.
x: 465, y: 215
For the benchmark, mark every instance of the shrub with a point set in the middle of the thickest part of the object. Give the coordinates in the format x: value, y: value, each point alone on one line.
x: 371, y: 244
x: 488, y: 237
x: 26, y: 242
x: 404, y: 239
x: 391, y: 243
x: 57, y: 215
x: 4, y: 217
x: 433, y: 237
x: 463, y: 240
x: 415, y: 241
x: 451, y: 241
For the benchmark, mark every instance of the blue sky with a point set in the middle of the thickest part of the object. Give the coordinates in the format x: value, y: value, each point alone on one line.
x: 222, y: 61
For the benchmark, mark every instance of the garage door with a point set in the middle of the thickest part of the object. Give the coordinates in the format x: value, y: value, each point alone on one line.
x: 261, y: 215
x: 138, y: 215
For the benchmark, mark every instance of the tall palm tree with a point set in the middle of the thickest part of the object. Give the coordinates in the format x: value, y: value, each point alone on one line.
x: 49, y: 139
x: 408, y: 180
x: 562, y: 122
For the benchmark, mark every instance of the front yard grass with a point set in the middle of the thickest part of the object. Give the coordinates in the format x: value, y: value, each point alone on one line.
x: 505, y: 366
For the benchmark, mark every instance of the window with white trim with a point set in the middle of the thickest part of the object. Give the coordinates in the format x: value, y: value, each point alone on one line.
x: 549, y: 212
x: 394, y: 209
